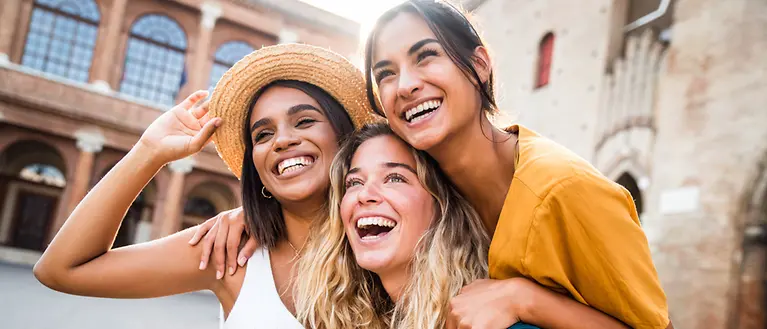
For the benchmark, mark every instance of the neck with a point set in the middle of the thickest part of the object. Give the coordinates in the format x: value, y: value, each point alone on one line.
x: 393, y: 282
x: 479, y: 160
x: 298, y: 219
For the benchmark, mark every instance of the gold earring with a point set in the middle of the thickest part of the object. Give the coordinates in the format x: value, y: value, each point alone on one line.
x: 263, y: 192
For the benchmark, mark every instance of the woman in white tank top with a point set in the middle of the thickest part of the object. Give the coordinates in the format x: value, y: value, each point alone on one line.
x: 278, y: 116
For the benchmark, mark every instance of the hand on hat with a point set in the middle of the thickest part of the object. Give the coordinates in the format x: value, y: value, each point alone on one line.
x: 182, y: 131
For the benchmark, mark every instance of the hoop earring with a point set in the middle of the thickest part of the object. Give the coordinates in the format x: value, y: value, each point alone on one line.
x: 264, y: 191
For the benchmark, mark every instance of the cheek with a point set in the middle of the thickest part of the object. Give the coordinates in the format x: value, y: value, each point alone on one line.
x: 259, y: 159
x: 418, y: 208
x: 347, y: 207
x: 388, y: 95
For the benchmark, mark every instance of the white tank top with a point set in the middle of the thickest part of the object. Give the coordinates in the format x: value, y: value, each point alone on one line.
x: 259, y: 305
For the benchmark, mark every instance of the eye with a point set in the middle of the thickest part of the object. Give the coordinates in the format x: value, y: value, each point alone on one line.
x: 305, y: 122
x: 426, y: 53
x: 353, y: 182
x: 261, y: 135
x: 380, y: 75
x: 395, y: 178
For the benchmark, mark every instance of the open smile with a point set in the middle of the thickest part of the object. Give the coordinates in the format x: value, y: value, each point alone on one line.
x: 422, y: 111
x: 293, y: 166
x: 374, y: 228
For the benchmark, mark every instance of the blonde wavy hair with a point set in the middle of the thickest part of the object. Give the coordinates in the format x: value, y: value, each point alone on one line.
x: 334, y: 292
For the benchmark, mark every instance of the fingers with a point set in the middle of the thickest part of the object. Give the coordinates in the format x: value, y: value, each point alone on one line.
x: 232, y: 244
x: 201, y: 230
x: 192, y: 99
x: 205, y: 118
x: 200, y: 110
x: 207, y: 244
x: 219, y: 249
x: 203, y: 136
x: 247, y: 251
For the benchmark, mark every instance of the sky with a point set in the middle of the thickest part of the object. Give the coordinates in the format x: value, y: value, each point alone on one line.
x: 364, y: 12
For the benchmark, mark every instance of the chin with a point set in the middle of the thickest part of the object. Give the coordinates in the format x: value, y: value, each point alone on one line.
x: 374, y: 262
x: 301, y: 190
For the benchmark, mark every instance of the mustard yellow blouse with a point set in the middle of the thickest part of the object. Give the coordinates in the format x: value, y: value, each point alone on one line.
x: 571, y: 229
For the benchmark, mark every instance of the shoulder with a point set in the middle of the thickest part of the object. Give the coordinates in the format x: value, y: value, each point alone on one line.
x: 547, y: 168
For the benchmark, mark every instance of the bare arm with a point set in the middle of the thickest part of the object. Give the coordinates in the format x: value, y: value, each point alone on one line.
x: 80, y: 261
x: 547, y: 309
x: 501, y: 303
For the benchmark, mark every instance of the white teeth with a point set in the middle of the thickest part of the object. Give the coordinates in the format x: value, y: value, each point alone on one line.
x: 293, y: 164
x: 377, y: 221
x: 428, y: 105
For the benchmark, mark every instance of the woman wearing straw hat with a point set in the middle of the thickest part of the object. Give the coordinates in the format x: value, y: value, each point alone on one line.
x: 278, y: 116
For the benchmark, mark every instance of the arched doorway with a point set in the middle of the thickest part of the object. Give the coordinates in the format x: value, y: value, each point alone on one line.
x: 137, y: 224
x: 628, y: 182
x: 205, y: 201
x: 750, y: 306
x: 32, y: 180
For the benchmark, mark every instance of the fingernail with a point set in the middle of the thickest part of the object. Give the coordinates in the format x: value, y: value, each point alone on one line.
x: 231, y: 270
x: 202, y: 265
x: 219, y: 275
x: 191, y: 240
x: 217, y: 123
x: 242, y: 261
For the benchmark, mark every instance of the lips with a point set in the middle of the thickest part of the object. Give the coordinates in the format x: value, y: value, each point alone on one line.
x: 370, y: 228
x: 421, y: 110
x: 290, y: 165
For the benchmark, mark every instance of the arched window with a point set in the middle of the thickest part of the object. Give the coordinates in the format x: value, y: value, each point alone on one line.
x: 61, y: 37
x: 154, y: 62
x: 43, y: 173
x: 545, y: 52
x: 226, y: 55
x: 200, y: 207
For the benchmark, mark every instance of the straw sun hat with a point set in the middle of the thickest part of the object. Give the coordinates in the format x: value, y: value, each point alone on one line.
x: 320, y: 67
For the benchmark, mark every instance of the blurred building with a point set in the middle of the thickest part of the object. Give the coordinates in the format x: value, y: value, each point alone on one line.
x: 668, y: 98
x: 81, y: 79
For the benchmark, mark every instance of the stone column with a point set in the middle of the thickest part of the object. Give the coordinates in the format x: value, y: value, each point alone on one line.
x: 89, y: 143
x: 199, y: 69
x: 171, y: 213
x: 103, y: 59
x: 9, y: 13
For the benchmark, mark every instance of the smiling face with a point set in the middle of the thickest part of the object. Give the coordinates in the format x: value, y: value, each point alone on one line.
x: 424, y: 94
x: 385, y: 209
x: 293, y: 144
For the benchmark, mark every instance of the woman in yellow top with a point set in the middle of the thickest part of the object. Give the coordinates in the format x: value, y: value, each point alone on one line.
x: 553, y: 218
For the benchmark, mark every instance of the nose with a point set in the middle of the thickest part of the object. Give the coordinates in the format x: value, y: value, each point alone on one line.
x: 409, y: 84
x: 284, y: 140
x: 369, y: 194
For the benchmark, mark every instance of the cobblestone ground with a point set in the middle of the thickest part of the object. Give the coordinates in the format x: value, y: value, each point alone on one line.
x: 27, y: 304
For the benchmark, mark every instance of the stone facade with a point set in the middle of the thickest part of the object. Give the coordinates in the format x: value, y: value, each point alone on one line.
x: 59, y: 136
x: 674, y: 110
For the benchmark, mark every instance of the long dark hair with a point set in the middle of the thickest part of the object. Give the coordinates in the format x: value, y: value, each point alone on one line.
x: 454, y: 32
x: 264, y: 215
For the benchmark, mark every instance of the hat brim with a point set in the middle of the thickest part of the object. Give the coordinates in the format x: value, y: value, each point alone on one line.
x: 318, y: 66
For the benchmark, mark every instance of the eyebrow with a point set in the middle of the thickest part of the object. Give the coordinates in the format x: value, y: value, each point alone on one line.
x: 260, y: 123
x: 418, y: 45
x: 387, y: 165
x: 291, y: 111
x: 414, y: 48
x: 302, y: 107
x: 399, y: 165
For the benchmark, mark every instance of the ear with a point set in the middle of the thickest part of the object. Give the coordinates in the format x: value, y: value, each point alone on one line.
x: 482, y: 63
